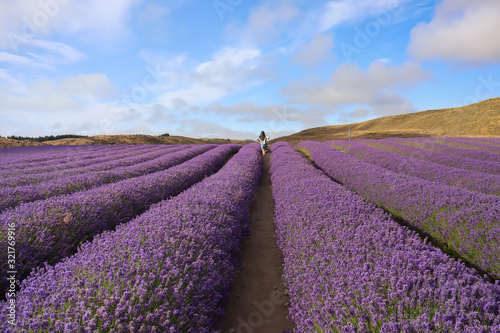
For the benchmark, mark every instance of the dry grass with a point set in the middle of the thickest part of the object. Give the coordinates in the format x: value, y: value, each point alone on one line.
x: 476, y: 120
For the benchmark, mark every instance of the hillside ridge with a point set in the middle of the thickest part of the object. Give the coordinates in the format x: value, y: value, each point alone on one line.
x: 480, y: 119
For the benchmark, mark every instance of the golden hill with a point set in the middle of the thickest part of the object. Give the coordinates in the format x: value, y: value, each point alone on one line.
x: 476, y: 120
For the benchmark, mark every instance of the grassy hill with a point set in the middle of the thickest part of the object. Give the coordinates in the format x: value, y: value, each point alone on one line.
x: 476, y: 120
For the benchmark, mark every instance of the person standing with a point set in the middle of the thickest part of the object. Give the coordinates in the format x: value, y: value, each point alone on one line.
x: 263, y: 139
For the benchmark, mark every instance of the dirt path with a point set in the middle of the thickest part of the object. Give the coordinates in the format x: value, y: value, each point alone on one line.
x: 259, y: 301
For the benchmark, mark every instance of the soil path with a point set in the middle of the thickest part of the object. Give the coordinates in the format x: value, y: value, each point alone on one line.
x: 259, y: 301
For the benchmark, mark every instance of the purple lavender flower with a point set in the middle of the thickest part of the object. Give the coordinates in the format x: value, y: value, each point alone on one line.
x: 465, y: 221
x: 46, y: 185
x: 351, y: 268
x: 168, y: 270
x: 411, y: 166
x: 51, y: 229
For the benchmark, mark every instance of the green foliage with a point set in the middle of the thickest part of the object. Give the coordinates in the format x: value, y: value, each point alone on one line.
x: 164, y: 134
x: 304, y: 152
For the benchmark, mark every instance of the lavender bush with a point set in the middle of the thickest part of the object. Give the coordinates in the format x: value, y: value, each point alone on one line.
x: 80, y: 179
x: 168, y: 270
x: 453, y: 147
x: 51, y: 229
x: 464, y: 221
x: 443, y: 158
x: 468, y: 143
x: 351, y: 268
x: 471, y: 180
x: 90, y: 162
x: 489, y: 141
x: 25, y: 157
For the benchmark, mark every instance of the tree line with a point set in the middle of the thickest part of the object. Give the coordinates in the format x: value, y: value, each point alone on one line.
x: 47, y: 137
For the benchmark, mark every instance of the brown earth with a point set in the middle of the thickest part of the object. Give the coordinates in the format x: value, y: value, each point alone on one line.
x: 259, y: 301
x: 476, y: 120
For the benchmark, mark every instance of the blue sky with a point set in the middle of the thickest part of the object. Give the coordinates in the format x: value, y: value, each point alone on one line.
x: 231, y: 68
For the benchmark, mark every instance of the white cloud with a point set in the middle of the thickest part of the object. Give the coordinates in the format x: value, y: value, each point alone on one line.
x: 376, y: 87
x: 461, y: 30
x: 87, y: 86
x: 228, y: 71
x: 11, y: 84
x: 341, y: 11
x: 195, y: 94
x: 197, y: 128
x: 228, y: 65
x: 96, y: 19
x: 194, y: 127
x: 43, y: 54
x: 20, y: 61
x: 13, y: 18
x: 152, y: 12
x: 39, y: 102
x: 359, y: 112
x: 56, y: 52
x: 264, y: 23
x: 93, y: 20
x: 154, y: 16
x: 69, y: 94
x: 315, y: 51
x: 250, y: 112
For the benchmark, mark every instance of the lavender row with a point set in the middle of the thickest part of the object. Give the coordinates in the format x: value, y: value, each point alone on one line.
x: 59, y: 161
x: 51, y: 229
x: 29, y: 154
x: 351, y: 268
x: 471, y: 180
x: 168, y: 270
x: 464, y: 221
x: 78, y: 161
x: 490, y: 141
x: 467, y: 143
x: 439, y: 146
x: 48, y: 157
x: 13, y: 196
x: 443, y: 158
x: 79, y: 168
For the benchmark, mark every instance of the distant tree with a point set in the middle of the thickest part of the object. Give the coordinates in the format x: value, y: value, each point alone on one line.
x: 47, y: 138
x: 165, y: 134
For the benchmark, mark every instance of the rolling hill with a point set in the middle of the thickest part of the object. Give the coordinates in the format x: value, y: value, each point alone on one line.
x: 476, y: 120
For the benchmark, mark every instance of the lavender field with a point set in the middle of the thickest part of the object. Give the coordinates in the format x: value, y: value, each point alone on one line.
x: 392, y: 235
